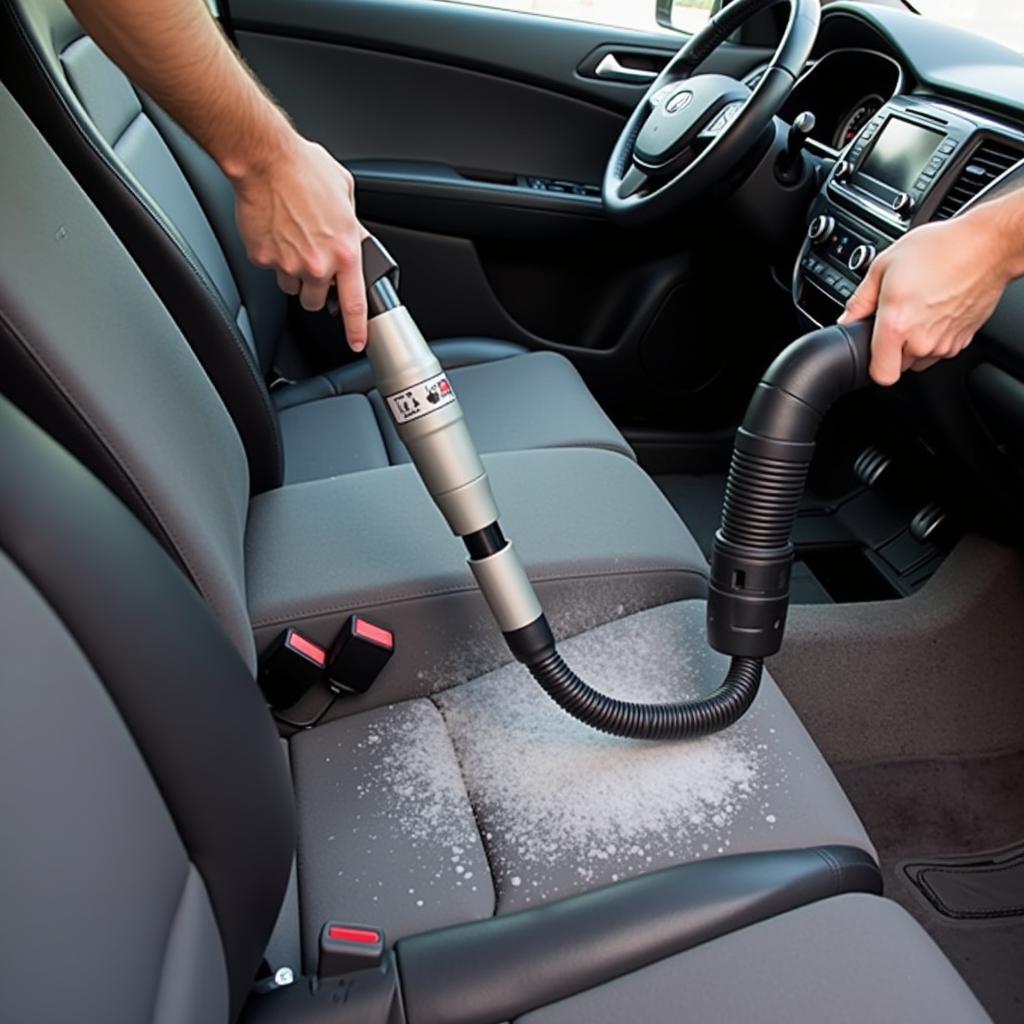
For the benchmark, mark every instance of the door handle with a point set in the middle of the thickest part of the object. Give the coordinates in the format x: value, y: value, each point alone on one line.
x: 611, y: 68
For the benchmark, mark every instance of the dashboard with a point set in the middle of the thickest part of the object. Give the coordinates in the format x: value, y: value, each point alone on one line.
x: 916, y: 122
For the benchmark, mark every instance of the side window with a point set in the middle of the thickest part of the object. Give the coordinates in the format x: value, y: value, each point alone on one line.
x: 686, y: 15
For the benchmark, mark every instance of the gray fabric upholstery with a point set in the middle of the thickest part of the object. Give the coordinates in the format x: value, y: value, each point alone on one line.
x: 603, y: 540
x: 569, y: 809
x: 513, y: 403
x: 531, y: 401
x: 91, y: 350
x: 386, y: 834
x: 329, y: 438
x: 111, y: 876
x: 847, y: 960
x: 561, y: 809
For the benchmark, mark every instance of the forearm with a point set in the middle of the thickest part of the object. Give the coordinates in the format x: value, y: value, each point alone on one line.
x: 1001, y: 222
x: 175, y: 50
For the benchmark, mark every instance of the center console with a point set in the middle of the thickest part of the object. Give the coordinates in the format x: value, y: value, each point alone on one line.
x: 914, y: 161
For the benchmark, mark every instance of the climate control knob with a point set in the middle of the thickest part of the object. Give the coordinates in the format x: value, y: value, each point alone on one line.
x: 862, y: 257
x: 821, y: 227
x: 903, y: 204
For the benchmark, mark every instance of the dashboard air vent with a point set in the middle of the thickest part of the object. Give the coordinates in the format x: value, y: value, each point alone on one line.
x: 988, y: 161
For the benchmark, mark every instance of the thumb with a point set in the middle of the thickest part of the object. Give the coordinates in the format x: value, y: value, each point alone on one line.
x: 864, y: 300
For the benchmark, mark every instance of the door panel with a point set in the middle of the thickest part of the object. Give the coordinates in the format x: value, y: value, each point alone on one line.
x: 364, y: 105
x: 443, y: 111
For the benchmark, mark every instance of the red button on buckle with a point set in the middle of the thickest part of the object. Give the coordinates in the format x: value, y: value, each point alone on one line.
x: 298, y: 643
x: 341, y: 933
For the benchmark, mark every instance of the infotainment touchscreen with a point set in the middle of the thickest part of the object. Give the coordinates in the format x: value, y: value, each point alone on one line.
x: 902, y: 151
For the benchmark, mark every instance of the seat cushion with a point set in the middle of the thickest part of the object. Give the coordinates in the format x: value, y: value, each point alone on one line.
x: 513, y: 401
x: 330, y: 437
x: 537, y: 400
x: 847, y: 960
x: 356, y: 377
x: 541, y: 806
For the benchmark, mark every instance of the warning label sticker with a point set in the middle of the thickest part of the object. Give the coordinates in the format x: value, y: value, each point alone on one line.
x: 427, y: 396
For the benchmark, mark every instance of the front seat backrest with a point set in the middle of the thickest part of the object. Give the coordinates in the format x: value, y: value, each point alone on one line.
x: 104, y: 131
x: 147, y: 810
x: 89, y: 351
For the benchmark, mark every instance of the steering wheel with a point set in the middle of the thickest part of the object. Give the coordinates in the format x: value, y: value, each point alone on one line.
x: 689, y: 131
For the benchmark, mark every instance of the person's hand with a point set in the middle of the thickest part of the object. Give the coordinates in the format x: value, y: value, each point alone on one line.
x: 931, y: 291
x: 296, y: 214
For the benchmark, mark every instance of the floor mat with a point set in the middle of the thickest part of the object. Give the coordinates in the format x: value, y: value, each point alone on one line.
x: 932, y: 821
x: 973, y: 888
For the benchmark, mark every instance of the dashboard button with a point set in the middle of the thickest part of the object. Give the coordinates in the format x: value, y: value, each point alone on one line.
x: 921, y: 184
x: 947, y: 148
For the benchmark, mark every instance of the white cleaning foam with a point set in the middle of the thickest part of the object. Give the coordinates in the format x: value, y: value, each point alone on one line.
x: 564, y: 807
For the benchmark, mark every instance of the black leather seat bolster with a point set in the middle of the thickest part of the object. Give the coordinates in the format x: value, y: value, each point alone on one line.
x: 357, y: 377
x: 502, y: 967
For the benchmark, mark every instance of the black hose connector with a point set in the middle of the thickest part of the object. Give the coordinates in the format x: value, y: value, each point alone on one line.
x: 752, y: 557
x: 753, y: 552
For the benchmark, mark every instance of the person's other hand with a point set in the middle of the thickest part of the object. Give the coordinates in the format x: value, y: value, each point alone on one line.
x: 930, y: 292
x: 296, y: 214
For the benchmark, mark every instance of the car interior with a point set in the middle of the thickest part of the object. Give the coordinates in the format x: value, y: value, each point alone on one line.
x: 266, y: 754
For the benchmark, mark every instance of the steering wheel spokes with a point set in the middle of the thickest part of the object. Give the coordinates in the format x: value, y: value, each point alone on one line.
x: 690, y: 130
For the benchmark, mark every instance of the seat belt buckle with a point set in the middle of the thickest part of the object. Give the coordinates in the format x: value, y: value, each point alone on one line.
x: 289, y: 667
x: 358, y: 655
x: 346, y: 948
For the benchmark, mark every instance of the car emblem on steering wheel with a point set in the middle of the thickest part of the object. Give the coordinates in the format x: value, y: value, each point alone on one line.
x: 680, y: 101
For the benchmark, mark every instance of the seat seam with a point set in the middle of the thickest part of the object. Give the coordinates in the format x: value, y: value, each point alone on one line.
x: 469, y: 800
x: 307, y: 613
x: 835, y: 868
x: 114, y: 143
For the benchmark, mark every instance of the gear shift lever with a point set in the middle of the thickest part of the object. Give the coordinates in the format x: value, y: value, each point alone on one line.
x: 790, y: 163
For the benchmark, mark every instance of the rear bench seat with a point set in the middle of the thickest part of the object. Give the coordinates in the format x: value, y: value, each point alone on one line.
x: 149, y: 816
x: 174, y: 211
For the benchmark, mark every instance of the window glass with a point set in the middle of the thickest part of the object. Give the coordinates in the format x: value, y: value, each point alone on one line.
x: 687, y: 15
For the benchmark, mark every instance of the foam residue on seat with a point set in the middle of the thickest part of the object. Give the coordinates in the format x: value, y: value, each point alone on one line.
x: 564, y: 808
x: 387, y: 834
